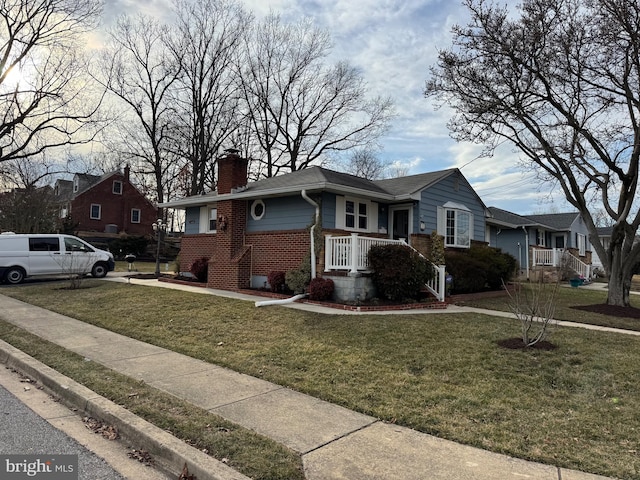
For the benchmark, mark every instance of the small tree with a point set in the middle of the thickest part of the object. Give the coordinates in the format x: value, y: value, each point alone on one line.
x: 534, y: 305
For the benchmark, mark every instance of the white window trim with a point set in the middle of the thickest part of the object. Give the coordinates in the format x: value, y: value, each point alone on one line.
x: 99, y: 217
x: 139, y: 215
x: 113, y: 187
x: 253, y: 209
x: 457, y: 208
x: 541, y: 234
x: 581, y: 240
x: 341, y: 214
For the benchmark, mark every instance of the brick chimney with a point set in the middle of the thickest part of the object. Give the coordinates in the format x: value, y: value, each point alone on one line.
x: 228, y: 267
x: 232, y: 171
x: 127, y: 172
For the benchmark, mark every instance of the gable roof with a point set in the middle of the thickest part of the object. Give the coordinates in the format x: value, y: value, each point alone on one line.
x: 411, y: 184
x: 551, y: 221
x: 318, y: 179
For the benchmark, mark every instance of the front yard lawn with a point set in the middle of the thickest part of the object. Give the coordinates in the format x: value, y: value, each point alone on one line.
x: 445, y: 374
x: 566, y: 301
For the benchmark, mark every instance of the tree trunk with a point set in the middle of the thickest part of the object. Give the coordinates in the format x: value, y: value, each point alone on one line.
x: 619, y: 282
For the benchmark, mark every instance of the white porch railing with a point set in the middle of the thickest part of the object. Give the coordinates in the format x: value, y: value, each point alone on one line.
x: 351, y: 253
x: 556, y: 257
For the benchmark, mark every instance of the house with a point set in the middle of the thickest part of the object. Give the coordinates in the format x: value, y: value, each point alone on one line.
x: 108, y: 204
x: 248, y: 230
x: 538, y: 241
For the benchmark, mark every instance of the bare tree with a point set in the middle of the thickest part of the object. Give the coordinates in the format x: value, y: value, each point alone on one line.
x: 298, y: 108
x: 206, y: 43
x: 45, y: 100
x: 364, y: 163
x: 140, y: 72
x: 559, y: 81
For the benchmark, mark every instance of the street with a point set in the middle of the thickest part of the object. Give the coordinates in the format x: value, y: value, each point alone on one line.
x: 24, y: 432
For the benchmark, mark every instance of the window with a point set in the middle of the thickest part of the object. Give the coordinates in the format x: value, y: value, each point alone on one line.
x: 96, y: 211
x: 540, y: 237
x: 73, y: 245
x: 581, y: 243
x: 117, y: 187
x: 44, y: 244
x: 257, y: 209
x: 356, y: 215
x: 135, y: 215
x: 455, y: 224
x: 457, y: 228
x: 213, y: 219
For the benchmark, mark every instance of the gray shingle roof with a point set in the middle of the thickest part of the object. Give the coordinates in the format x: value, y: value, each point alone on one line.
x: 557, y: 221
x: 552, y: 221
x: 413, y: 183
x: 314, y: 177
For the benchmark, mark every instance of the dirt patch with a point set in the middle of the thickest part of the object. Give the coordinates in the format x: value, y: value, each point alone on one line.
x: 610, y: 310
x: 516, y: 343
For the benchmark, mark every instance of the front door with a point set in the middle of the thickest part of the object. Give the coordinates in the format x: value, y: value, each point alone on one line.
x: 400, y: 224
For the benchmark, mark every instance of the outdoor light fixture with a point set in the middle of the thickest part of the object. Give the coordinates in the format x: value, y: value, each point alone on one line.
x: 422, y: 225
x: 159, y: 227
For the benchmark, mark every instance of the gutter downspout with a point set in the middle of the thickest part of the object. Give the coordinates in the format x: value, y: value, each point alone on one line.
x: 293, y: 299
x: 313, y: 228
x: 282, y: 301
x: 526, y: 243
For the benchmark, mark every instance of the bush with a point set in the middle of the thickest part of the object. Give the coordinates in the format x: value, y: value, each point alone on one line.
x: 298, y: 279
x: 479, y: 268
x: 200, y: 269
x: 321, y: 289
x: 126, y: 245
x: 469, y: 274
x: 399, y: 273
x: 276, y: 280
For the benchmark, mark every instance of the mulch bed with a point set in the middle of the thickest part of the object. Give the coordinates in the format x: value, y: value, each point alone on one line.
x: 516, y: 343
x: 611, y: 310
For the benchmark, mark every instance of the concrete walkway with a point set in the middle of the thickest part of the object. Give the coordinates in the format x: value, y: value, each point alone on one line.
x: 335, y: 443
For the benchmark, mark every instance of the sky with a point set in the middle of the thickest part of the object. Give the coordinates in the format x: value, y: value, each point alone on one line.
x: 393, y: 43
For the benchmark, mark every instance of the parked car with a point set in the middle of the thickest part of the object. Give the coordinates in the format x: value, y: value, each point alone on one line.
x: 29, y: 255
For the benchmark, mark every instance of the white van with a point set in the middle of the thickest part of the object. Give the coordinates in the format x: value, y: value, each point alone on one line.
x: 27, y: 255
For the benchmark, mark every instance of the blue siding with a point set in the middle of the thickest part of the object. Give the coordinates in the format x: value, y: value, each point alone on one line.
x: 512, y: 241
x: 192, y: 220
x: 283, y: 213
x: 454, y: 188
x: 328, y: 210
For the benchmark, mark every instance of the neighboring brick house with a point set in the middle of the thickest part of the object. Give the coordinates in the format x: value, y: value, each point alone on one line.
x: 105, y: 204
x: 248, y: 230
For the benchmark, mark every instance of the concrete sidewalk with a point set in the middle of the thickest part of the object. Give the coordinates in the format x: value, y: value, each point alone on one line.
x: 335, y: 443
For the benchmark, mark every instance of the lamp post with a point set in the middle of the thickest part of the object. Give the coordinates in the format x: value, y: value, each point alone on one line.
x: 158, y: 226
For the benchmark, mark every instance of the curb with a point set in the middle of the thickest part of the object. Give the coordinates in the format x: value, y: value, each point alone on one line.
x: 170, y: 452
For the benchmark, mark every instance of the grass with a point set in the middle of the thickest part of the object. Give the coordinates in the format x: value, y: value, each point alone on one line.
x: 574, y: 407
x: 567, y: 298
x: 246, y: 451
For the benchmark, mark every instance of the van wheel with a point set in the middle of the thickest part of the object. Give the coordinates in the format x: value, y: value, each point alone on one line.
x: 14, y: 275
x: 99, y: 270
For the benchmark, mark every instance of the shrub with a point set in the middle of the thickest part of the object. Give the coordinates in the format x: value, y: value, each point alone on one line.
x: 321, y: 289
x: 276, y: 280
x: 469, y: 274
x: 126, y: 245
x: 200, y: 269
x: 479, y: 268
x: 399, y: 272
x: 298, y: 279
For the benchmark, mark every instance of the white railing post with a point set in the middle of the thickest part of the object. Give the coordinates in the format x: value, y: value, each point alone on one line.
x: 328, y: 253
x: 441, y: 282
x: 355, y: 253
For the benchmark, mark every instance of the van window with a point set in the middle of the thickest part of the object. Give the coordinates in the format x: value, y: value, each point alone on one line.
x: 44, y: 244
x: 73, y: 245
